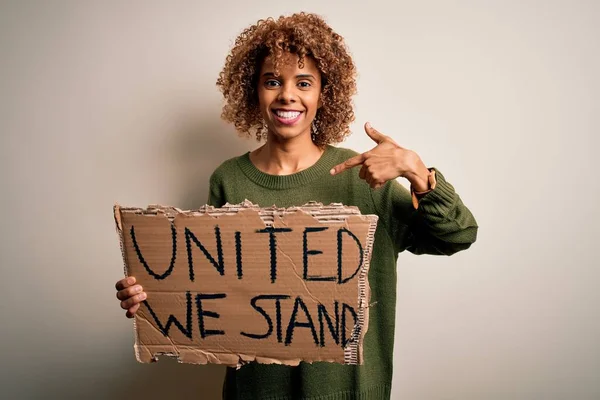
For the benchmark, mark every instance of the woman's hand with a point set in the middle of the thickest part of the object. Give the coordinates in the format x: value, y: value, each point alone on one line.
x: 387, y: 161
x: 130, y: 294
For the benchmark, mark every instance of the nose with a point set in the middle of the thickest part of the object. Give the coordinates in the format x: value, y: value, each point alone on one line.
x: 286, y: 94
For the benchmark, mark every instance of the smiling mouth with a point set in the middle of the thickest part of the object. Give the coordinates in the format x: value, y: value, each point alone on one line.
x: 287, y: 117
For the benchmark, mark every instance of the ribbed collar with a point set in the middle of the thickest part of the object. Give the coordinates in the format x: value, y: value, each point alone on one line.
x: 281, y: 182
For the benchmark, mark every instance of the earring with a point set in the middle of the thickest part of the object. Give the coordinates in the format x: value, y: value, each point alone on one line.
x: 314, y: 131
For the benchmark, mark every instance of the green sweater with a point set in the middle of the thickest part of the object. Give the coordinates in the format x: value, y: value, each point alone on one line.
x: 441, y: 225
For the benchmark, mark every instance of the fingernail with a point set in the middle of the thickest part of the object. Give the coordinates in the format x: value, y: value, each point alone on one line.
x: 143, y: 296
x: 130, y: 281
x: 332, y: 171
x: 138, y: 289
x: 368, y: 124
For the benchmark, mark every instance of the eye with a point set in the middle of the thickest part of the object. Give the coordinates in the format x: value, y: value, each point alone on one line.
x: 272, y: 83
x: 304, y: 84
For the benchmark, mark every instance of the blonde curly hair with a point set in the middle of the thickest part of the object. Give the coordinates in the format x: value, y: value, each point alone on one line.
x: 306, y: 35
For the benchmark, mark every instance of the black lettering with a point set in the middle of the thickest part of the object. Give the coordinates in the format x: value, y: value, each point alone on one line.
x: 203, y: 313
x: 323, y: 314
x: 306, y: 252
x: 145, y: 264
x: 189, y: 237
x: 278, y: 317
x: 273, y: 247
x: 187, y: 331
x: 293, y: 323
x: 238, y: 254
x: 339, y: 258
x: 261, y: 311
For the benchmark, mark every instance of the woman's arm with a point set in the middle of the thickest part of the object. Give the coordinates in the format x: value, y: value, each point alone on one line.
x: 431, y: 218
x: 441, y: 225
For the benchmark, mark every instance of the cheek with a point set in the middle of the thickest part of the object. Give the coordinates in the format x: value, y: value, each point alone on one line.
x: 314, y: 102
x: 263, y: 102
x: 261, y: 95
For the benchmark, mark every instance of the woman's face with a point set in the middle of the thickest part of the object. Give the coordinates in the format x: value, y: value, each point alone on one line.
x: 289, y: 102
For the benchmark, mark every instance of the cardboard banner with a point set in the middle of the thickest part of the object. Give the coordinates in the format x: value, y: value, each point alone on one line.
x: 242, y: 283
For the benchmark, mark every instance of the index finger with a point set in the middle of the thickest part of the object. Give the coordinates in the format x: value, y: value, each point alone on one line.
x: 125, y: 283
x: 349, y: 163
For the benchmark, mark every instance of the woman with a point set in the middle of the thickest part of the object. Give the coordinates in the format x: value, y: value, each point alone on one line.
x: 290, y: 82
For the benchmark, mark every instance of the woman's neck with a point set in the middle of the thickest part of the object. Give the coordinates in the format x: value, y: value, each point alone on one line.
x: 285, y: 158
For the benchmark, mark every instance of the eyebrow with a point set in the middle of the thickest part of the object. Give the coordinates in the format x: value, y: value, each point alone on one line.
x: 300, y: 76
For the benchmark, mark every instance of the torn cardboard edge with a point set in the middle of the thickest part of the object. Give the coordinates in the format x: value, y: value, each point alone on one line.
x: 333, y: 213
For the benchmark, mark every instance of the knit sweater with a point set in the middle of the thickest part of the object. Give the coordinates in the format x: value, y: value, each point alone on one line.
x: 441, y: 225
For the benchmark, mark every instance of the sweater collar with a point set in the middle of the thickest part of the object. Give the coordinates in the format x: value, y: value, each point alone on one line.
x: 281, y: 182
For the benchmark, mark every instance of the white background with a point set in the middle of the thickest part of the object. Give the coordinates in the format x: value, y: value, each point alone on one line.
x: 104, y: 101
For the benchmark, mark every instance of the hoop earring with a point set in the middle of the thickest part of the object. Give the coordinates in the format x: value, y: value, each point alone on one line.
x: 313, y: 131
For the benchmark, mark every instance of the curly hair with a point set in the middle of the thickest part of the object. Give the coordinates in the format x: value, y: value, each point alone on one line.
x: 306, y: 35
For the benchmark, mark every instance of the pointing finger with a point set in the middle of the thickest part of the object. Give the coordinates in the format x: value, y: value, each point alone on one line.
x: 349, y: 163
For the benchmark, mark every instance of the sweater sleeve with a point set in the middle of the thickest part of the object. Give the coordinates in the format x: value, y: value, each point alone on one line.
x: 216, y: 196
x: 442, y: 225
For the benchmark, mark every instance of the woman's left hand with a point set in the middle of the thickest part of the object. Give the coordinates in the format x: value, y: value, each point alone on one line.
x: 387, y: 161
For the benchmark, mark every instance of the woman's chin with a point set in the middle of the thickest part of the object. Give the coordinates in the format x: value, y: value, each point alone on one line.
x: 286, y: 135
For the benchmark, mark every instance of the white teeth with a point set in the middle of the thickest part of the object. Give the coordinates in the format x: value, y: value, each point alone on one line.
x: 287, y: 114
